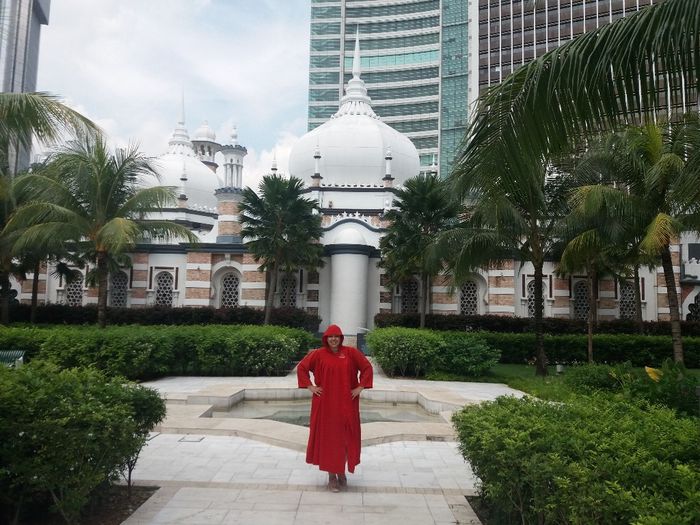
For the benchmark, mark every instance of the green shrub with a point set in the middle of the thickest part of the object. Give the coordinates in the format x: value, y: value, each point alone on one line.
x: 405, y: 351
x: 673, y: 388
x: 466, y: 354
x: 587, y: 379
x: 594, y: 460
x: 640, y: 350
x: 146, y: 352
x: 65, y: 432
x: 161, y: 315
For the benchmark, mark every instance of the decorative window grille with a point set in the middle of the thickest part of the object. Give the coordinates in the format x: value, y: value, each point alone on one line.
x: 230, y: 290
x: 74, y: 292
x: 288, y: 292
x: 468, y: 299
x: 164, y: 289
x: 581, y: 305
x: 117, y: 291
x: 409, y: 297
x: 628, y: 308
x: 531, y: 299
x: 694, y: 309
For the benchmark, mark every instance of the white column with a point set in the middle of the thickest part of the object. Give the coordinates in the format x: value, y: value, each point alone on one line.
x: 349, y: 291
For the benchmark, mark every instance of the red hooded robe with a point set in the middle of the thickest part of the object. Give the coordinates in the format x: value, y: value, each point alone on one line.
x: 334, y: 436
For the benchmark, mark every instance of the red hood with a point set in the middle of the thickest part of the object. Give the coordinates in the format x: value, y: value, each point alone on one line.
x: 332, y: 330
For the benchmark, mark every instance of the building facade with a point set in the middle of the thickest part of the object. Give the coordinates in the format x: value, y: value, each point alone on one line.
x: 20, y: 31
x: 351, y: 166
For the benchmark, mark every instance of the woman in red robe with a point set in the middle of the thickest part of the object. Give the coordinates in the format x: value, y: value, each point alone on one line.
x: 334, y: 436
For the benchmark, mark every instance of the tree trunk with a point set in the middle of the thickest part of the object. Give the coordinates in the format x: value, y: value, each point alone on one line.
x: 4, y: 298
x: 35, y: 291
x: 270, y: 294
x: 102, y: 276
x: 672, y: 294
x: 592, y: 311
x: 421, y: 302
x: 541, y: 361
x: 638, y: 301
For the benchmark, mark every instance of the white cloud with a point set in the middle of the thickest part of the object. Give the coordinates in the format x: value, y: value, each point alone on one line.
x: 124, y: 64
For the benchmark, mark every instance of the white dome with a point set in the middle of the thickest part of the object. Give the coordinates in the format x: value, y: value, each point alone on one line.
x: 200, y: 184
x: 353, y: 150
x: 353, y: 145
x: 204, y: 133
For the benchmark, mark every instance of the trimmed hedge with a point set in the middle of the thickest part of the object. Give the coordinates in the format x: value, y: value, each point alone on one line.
x: 64, y: 433
x: 639, y: 350
x: 594, y: 460
x: 146, y: 352
x: 552, y: 325
x: 412, y: 352
x: 158, y: 315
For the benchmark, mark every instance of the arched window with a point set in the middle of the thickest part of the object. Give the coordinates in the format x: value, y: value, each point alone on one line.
x: 409, y: 297
x: 74, y: 292
x: 230, y: 290
x: 581, y: 305
x: 468, y: 299
x: 531, y: 299
x: 288, y: 291
x: 117, y: 289
x: 628, y: 308
x: 164, y: 289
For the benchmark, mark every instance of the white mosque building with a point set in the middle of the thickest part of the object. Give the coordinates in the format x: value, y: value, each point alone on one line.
x: 351, y: 166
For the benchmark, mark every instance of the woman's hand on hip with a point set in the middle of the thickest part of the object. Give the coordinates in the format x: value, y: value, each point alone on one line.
x: 315, y: 390
x: 356, y: 391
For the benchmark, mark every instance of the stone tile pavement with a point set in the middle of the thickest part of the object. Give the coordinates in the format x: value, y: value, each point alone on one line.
x: 242, y: 471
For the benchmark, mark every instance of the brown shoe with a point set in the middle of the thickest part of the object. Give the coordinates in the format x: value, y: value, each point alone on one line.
x: 342, y: 481
x: 333, y: 484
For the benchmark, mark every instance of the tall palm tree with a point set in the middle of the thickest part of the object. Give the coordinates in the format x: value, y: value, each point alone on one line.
x: 658, y: 197
x: 24, y: 117
x: 281, y: 229
x: 95, y: 199
x: 422, y: 209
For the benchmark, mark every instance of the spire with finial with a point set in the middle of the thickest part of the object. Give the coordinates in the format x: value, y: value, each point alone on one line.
x: 234, y: 135
x: 356, y: 101
x: 316, y: 177
x: 179, y: 142
x: 274, y: 163
x: 388, y: 179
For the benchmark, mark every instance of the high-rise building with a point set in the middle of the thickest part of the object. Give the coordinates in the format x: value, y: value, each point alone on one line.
x: 414, y: 63
x: 426, y: 61
x: 20, y: 29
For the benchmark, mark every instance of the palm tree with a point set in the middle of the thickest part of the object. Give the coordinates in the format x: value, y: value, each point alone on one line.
x: 599, y: 80
x: 510, y: 217
x: 422, y: 209
x: 658, y: 198
x: 96, y: 200
x: 281, y: 228
x: 23, y: 117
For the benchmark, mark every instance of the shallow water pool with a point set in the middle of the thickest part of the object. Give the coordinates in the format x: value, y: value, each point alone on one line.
x: 296, y: 412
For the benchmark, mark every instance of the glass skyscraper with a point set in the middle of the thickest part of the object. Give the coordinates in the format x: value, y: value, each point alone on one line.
x: 414, y: 63
x: 426, y: 61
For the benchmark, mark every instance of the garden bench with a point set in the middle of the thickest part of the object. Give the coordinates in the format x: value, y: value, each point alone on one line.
x: 12, y: 358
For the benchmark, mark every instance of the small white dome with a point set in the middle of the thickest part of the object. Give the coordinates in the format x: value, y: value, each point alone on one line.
x: 204, y: 133
x: 200, y: 183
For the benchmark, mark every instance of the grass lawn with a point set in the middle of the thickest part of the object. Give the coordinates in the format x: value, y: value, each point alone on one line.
x: 522, y: 377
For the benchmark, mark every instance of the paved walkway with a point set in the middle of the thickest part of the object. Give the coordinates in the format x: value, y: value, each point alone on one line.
x: 237, y: 474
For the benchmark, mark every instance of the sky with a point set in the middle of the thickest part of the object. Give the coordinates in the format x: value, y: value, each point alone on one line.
x: 126, y: 63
